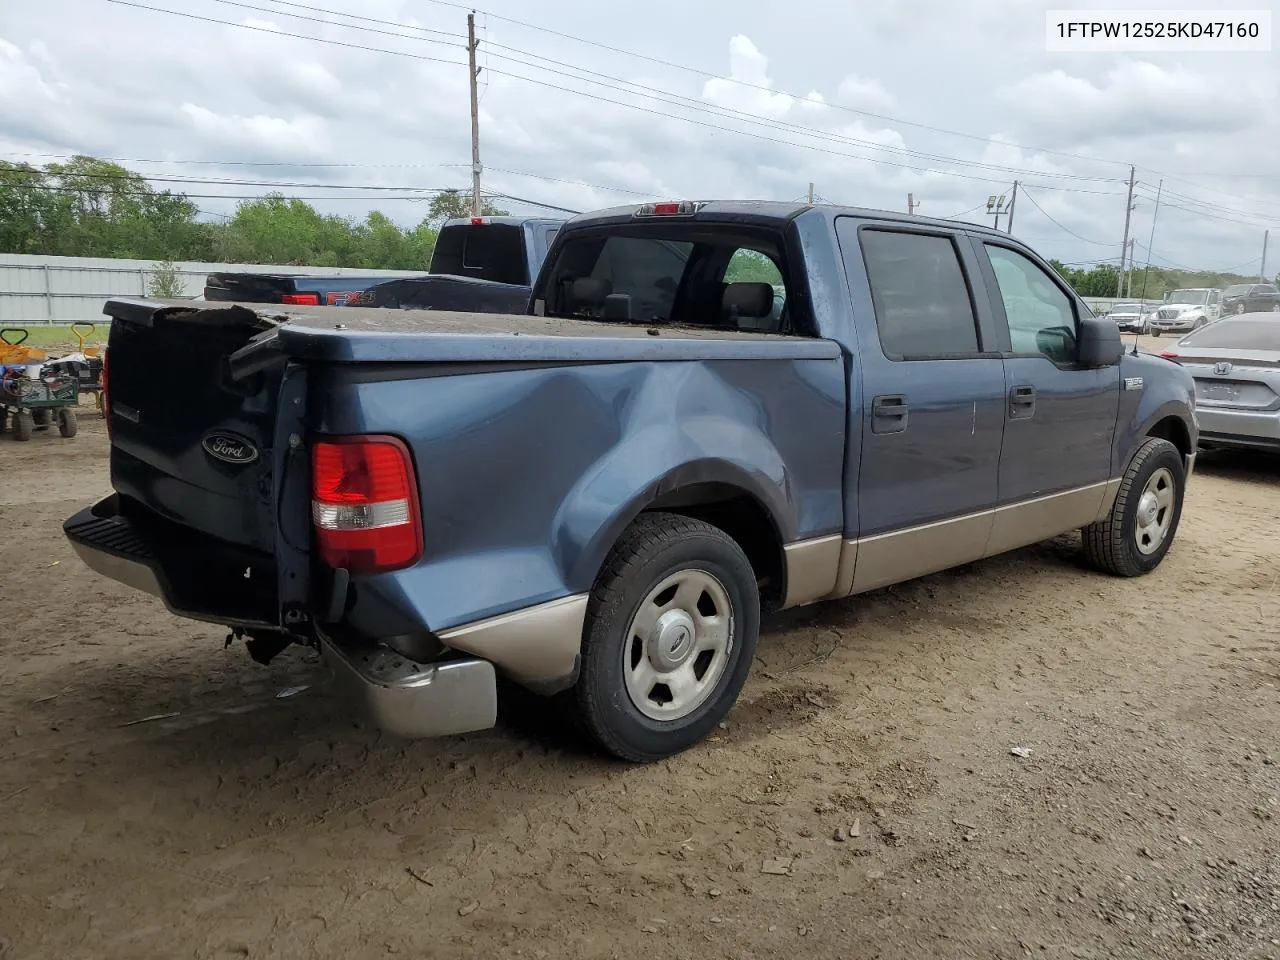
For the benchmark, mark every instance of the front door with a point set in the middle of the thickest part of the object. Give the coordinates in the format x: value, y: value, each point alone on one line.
x: 931, y: 394
x: 1060, y: 419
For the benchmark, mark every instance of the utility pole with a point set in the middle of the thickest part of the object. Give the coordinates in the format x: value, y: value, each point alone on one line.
x: 475, y: 116
x: 1128, y: 273
x: 1262, y: 269
x: 811, y: 194
x: 1012, y: 201
x: 911, y: 203
x: 1124, y: 247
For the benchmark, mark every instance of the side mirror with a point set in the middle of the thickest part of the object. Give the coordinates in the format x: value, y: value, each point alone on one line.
x: 1099, y: 344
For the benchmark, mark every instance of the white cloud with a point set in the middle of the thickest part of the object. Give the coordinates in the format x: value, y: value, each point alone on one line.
x: 748, y: 85
x: 76, y: 76
x: 863, y: 94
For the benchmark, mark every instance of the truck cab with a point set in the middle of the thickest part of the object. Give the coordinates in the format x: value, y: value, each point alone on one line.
x: 1186, y: 309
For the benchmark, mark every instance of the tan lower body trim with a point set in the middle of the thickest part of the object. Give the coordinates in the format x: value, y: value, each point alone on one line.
x: 900, y: 555
x: 812, y: 566
x: 536, y: 644
x: 1020, y: 524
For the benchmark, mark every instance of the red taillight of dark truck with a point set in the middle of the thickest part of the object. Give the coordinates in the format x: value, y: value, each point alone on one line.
x: 364, y: 504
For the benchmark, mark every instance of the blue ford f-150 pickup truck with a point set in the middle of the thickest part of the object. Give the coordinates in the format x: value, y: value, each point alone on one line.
x: 598, y: 498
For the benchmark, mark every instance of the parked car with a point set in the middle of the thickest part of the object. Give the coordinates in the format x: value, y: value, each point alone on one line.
x: 600, y: 497
x: 1251, y: 298
x: 483, y: 265
x: 1236, y: 366
x: 1130, y: 317
x: 1187, y: 309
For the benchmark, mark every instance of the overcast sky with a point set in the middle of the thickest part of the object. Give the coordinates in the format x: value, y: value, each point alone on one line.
x: 951, y: 101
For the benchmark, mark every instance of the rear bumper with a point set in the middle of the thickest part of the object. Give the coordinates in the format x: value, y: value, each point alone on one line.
x: 206, y: 580
x: 410, y: 699
x: 1243, y: 428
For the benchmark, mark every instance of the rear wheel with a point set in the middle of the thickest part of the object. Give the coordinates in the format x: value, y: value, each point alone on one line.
x: 67, y: 422
x: 1139, y: 530
x: 23, y: 425
x: 42, y: 418
x: 670, y: 635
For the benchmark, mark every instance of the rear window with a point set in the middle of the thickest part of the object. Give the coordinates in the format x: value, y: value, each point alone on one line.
x: 491, y: 251
x: 1236, y: 290
x: 694, y: 275
x: 1237, y: 335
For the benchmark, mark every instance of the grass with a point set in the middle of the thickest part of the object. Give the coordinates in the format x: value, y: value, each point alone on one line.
x: 59, y: 337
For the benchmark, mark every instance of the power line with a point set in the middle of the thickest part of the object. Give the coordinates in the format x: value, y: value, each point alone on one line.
x: 709, y: 75
x: 584, y: 75
x: 1182, y: 266
x: 326, y: 186
x: 1036, y: 204
x: 632, y: 106
x: 236, y: 182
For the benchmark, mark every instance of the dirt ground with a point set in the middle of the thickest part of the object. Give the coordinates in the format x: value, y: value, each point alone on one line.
x: 163, y: 797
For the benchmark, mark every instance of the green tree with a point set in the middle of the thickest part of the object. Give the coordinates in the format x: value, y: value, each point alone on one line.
x: 453, y: 204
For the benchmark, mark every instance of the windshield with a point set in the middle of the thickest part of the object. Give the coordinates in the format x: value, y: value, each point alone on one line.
x: 1188, y: 296
x: 1125, y: 308
x: 1236, y: 290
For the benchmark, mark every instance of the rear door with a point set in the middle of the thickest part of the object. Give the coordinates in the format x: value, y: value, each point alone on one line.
x: 1059, y: 417
x: 931, y: 392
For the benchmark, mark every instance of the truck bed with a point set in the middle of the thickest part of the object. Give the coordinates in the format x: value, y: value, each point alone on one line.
x: 369, y: 334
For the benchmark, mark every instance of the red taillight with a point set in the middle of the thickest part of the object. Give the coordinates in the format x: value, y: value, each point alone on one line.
x: 364, y: 504
x: 1170, y: 355
x: 669, y: 208
x: 303, y: 299
x: 478, y: 221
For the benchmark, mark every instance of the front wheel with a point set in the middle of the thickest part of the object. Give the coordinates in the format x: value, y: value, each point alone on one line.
x: 24, y: 425
x: 670, y: 635
x: 1139, y: 530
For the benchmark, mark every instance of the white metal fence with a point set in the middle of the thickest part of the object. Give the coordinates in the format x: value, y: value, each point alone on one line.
x: 36, y: 289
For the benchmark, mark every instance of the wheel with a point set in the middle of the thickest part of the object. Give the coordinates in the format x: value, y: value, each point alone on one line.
x: 1275, y: 308
x: 670, y: 635
x: 42, y: 418
x: 1239, y: 308
x: 67, y: 422
x: 1138, y: 532
x: 23, y: 425
x: 1155, y: 333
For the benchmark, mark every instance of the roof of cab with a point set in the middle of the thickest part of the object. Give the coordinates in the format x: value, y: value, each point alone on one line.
x: 507, y: 221
x: 777, y: 211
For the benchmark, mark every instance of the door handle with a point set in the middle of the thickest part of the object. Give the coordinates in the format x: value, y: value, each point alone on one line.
x: 889, y: 414
x: 1022, y: 402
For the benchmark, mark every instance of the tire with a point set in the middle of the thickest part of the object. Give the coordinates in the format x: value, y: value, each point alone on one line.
x: 1123, y: 544
x: 619, y: 694
x: 67, y: 422
x: 42, y: 418
x: 1155, y: 332
x: 23, y: 425
x: 1239, y: 308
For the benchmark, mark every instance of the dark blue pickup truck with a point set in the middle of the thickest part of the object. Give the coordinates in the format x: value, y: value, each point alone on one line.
x: 479, y: 264
x: 710, y: 410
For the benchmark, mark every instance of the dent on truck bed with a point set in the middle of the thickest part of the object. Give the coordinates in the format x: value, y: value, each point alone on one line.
x: 528, y: 476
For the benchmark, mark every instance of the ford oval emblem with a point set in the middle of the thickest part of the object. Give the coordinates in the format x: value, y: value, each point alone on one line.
x: 229, y: 448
